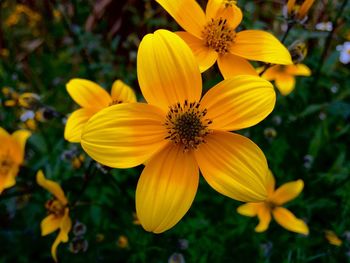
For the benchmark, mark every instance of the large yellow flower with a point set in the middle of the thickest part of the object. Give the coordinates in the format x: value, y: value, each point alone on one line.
x: 58, y: 210
x: 273, y: 204
x: 212, y: 37
x: 284, y: 76
x: 177, y: 131
x: 11, y: 156
x: 92, y: 98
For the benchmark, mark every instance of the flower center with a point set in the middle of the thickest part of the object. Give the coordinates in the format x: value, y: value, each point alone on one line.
x: 229, y: 3
x: 187, y: 125
x: 6, y: 163
x: 218, y: 36
x: 55, y: 207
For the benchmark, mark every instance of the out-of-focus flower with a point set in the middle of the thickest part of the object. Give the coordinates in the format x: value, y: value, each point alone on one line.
x: 176, y: 258
x: 79, y: 229
x: 270, y: 133
x: 177, y: 132
x: 298, y: 51
x: 123, y: 242
x: 92, y: 98
x: 344, y: 52
x: 58, y: 218
x: 273, y: 205
x: 308, y: 161
x: 100, y: 238
x: 33, y: 18
x: 4, y: 52
x: 298, y: 9
x: 284, y: 76
x: 183, y: 243
x: 11, y: 156
x: 11, y: 96
x: 74, y: 156
x: 78, y: 244
x: 332, y: 238
x: 324, y: 26
x: 212, y: 37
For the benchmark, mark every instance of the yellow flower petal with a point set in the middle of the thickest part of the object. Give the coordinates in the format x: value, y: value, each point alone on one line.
x: 50, y: 224
x: 21, y: 137
x: 167, y: 70
x: 88, y: 94
x: 271, y: 73
x: 305, y: 8
x: 290, y: 5
x: 219, y: 9
x: 166, y: 188
x: 65, y: 227
x: 248, y: 209
x: 231, y: 65
x: 205, y: 56
x: 3, y: 132
x: 75, y: 123
x: 51, y: 186
x: 8, y: 180
x: 124, y: 135
x: 332, y: 238
x: 187, y: 13
x: 264, y: 215
x: 287, y: 220
x: 299, y: 70
x: 285, y: 84
x: 270, y: 183
x: 287, y: 192
x: 122, y: 92
x: 261, y: 46
x: 239, y: 102
x: 234, y: 166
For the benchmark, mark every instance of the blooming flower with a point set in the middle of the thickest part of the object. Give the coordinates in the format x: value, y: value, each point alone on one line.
x: 92, y: 98
x: 58, y: 210
x: 332, y: 238
x: 297, y: 11
x: 212, y: 37
x: 284, y: 76
x: 11, y: 156
x: 176, y: 132
x: 273, y: 204
x: 344, y: 52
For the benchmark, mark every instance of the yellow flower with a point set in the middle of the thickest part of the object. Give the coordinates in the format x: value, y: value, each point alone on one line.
x: 123, y: 242
x: 177, y: 132
x: 92, y: 98
x: 273, y: 205
x: 58, y: 210
x: 332, y: 238
x: 212, y: 37
x: 299, y: 12
x: 11, y: 156
x: 284, y: 76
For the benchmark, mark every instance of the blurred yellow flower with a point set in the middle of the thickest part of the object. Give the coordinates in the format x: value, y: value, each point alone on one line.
x: 11, y: 156
x: 177, y: 132
x: 122, y: 242
x: 332, y: 238
x: 284, y: 76
x: 58, y: 210
x: 20, y: 9
x: 273, y: 205
x: 297, y: 11
x: 92, y: 98
x: 212, y: 37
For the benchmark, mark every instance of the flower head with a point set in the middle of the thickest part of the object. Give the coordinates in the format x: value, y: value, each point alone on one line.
x: 212, y: 37
x: 284, y: 76
x: 58, y: 213
x: 344, y: 52
x: 177, y: 132
x: 298, y: 10
x: 273, y: 205
x: 11, y: 156
x: 92, y: 98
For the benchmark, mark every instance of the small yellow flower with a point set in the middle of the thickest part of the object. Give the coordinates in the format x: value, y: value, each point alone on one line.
x: 212, y: 37
x: 332, y: 238
x: 122, y: 242
x: 58, y: 210
x: 92, y: 98
x: 297, y: 11
x: 273, y: 205
x: 11, y: 156
x: 284, y: 76
x: 177, y: 133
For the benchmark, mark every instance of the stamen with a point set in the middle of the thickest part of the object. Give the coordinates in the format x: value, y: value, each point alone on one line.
x: 55, y: 207
x: 186, y: 125
x: 218, y: 36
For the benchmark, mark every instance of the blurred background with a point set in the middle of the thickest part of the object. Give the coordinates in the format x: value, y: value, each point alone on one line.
x: 43, y: 44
